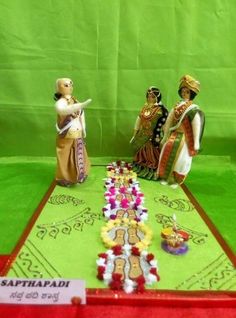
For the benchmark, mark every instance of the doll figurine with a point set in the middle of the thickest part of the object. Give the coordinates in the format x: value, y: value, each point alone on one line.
x: 148, y: 134
x: 182, y: 135
x: 72, y: 160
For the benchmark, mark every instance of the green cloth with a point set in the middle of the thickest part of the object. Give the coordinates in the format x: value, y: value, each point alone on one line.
x: 23, y: 183
x: 65, y: 240
x: 212, y: 181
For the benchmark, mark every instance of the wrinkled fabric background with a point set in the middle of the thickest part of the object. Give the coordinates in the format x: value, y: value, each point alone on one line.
x: 113, y: 50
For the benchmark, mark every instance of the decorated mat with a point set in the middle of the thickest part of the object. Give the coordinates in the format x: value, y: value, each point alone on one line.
x: 66, y: 239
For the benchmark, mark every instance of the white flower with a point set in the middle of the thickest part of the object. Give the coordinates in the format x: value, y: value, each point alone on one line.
x: 129, y: 286
x: 107, y: 206
x: 109, y: 252
x: 128, y: 289
x: 153, y: 263
x: 129, y: 282
x: 150, y: 279
x: 107, y: 278
x: 107, y: 214
x: 144, y: 253
x: 111, y: 257
x: 101, y: 261
x: 144, y: 217
x: 126, y: 249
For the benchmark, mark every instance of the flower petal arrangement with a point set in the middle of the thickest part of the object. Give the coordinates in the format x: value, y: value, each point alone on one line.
x: 124, y: 231
x: 120, y: 170
x: 126, y: 265
x: 139, y: 214
x: 118, y: 182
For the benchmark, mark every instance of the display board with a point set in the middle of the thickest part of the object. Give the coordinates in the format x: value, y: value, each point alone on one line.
x: 65, y: 240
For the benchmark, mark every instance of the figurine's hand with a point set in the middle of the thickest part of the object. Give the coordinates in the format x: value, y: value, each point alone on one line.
x: 64, y: 109
x: 84, y: 104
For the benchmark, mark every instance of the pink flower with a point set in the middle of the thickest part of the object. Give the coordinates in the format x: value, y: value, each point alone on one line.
x: 123, y: 189
x: 125, y: 203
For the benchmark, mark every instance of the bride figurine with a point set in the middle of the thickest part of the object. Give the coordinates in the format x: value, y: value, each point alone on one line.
x: 148, y: 134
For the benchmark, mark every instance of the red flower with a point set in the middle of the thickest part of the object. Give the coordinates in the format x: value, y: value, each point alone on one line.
x: 116, y: 282
x: 116, y: 277
x: 117, y: 249
x: 153, y: 271
x: 140, y: 280
x: 140, y: 288
x: 149, y: 257
x: 103, y: 255
x: 101, y: 270
x: 115, y: 285
x: 135, y: 251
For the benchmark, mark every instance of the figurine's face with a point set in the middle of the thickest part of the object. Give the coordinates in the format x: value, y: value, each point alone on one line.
x: 185, y: 93
x: 151, y: 98
x: 65, y: 86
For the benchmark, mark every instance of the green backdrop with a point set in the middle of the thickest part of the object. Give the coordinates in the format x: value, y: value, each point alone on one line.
x: 113, y: 50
